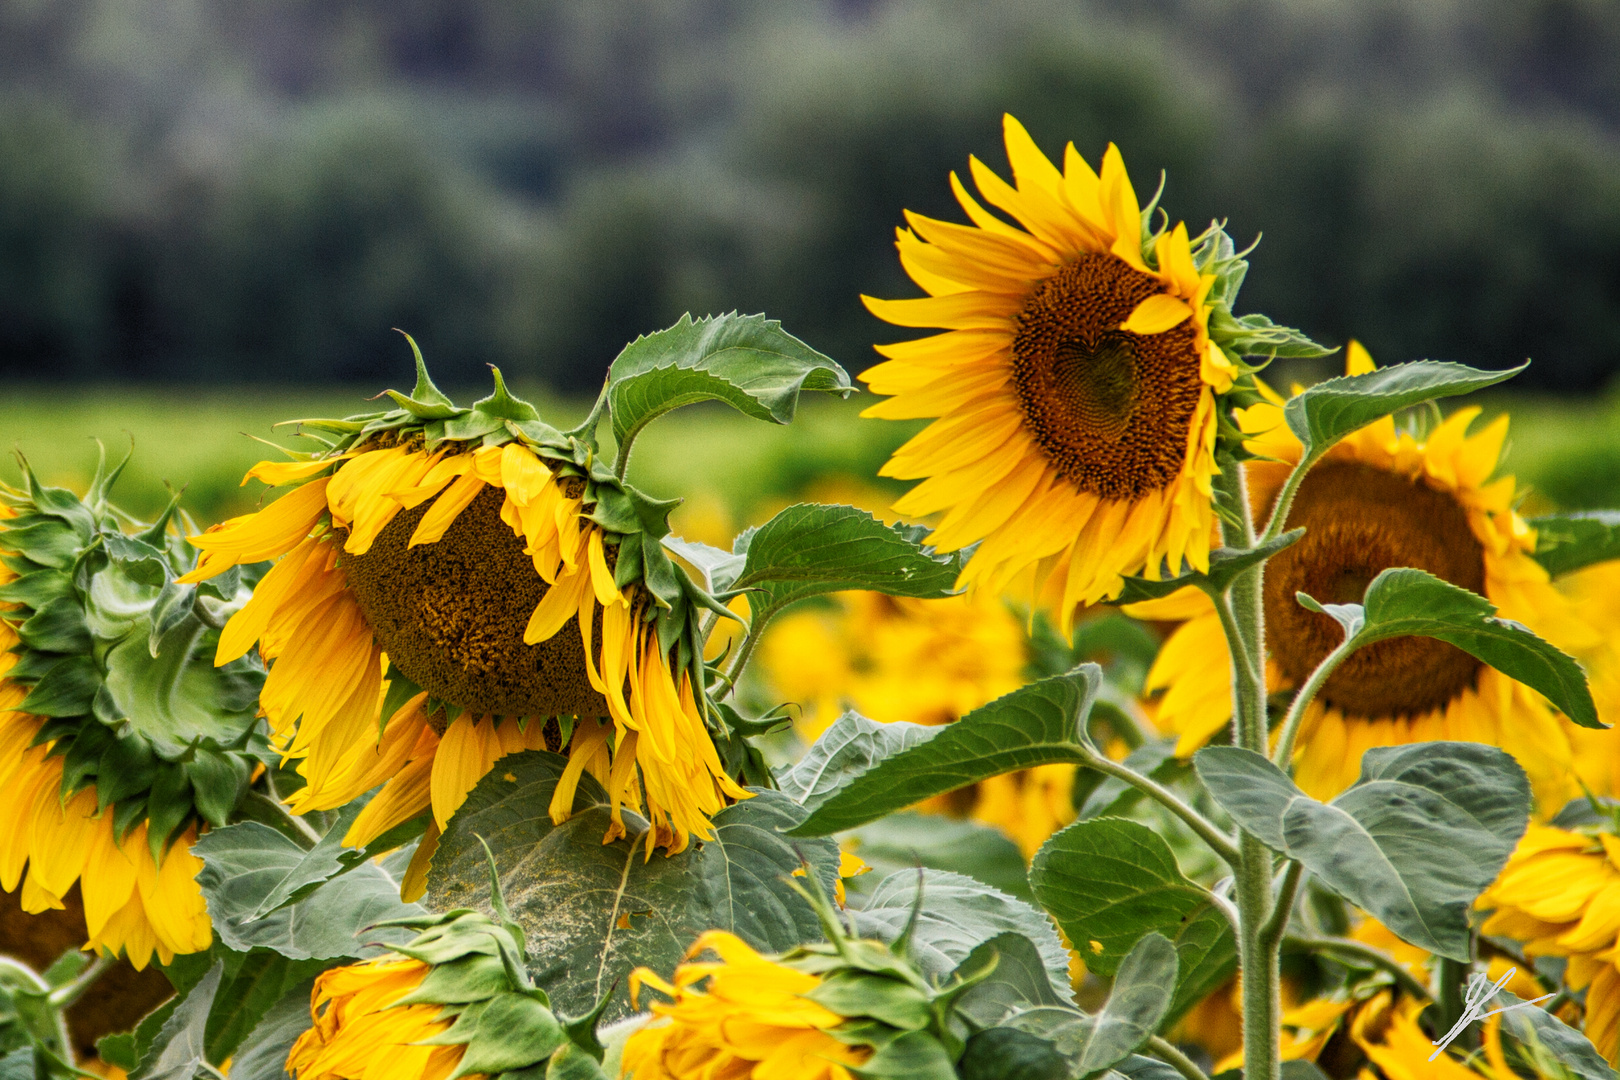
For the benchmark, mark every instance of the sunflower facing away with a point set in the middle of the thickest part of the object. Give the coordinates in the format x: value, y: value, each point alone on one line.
x: 1075, y: 385
x: 1382, y: 497
x: 454, y: 585
x: 118, y: 741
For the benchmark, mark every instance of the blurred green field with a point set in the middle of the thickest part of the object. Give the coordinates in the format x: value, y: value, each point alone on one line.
x: 731, y: 469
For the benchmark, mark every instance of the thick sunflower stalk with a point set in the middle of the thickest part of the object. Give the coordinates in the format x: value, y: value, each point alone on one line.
x: 457, y: 584
x: 118, y: 742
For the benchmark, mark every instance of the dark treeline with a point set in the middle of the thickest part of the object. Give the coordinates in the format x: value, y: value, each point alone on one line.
x: 199, y: 189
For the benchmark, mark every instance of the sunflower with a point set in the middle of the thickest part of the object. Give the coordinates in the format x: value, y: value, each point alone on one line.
x: 416, y: 623
x: 362, y: 1033
x: 1560, y: 894
x: 118, y: 743
x: 1075, y: 387
x: 900, y: 660
x: 751, y: 1019
x: 1382, y: 497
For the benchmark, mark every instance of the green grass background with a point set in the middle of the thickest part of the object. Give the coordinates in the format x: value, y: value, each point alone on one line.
x: 725, y: 464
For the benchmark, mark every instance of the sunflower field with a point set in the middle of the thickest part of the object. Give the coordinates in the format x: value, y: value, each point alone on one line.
x: 1116, y: 697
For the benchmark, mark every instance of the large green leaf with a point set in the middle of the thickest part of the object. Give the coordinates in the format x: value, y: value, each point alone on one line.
x: 263, y: 1053
x: 1019, y: 980
x: 594, y: 911
x: 180, y: 1050
x: 254, y: 985
x: 907, y: 840
x: 1541, y: 1034
x: 956, y: 916
x: 808, y: 550
x: 1402, y: 602
x: 1414, y: 841
x: 1137, y: 1004
x: 747, y: 361
x: 1568, y: 542
x: 846, y: 750
x: 1323, y: 414
x: 1109, y: 882
x: 244, y: 863
x: 1037, y: 724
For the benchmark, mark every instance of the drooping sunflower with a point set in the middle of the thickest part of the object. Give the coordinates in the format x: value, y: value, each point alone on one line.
x: 897, y: 659
x: 118, y: 741
x: 1075, y: 385
x: 1383, y: 497
x: 1560, y: 894
x: 457, y: 584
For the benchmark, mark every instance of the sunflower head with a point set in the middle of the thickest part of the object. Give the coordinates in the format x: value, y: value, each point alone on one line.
x: 471, y: 577
x: 453, y: 1002
x: 121, y: 740
x: 1089, y: 355
x: 831, y: 1010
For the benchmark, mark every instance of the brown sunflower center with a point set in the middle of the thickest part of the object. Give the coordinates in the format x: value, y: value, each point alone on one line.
x: 1360, y: 521
x: 1110, y: 409
x: 451, y: 616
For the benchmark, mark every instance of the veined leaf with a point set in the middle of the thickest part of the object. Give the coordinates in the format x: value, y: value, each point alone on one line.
x: 244, y: 863
x: 179, y: 1051
x: 1402, y: 601
x: 1137, y: 1004
x: 1414, y: 841
x: 1019, y: 980
x: 906, y: 840
x: 747, y: 361
x: 1323, y: 414
x: 847, y: 749
x: 958, y: 915
x: 1569, y: 542
x: 1538, y: 1032
x: 808, y: 550
x: 1109, y: 882
x: 1034, y: 725
x: 593, y: 911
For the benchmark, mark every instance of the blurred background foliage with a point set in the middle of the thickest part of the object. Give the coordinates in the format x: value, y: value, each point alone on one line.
x: 227, y: 195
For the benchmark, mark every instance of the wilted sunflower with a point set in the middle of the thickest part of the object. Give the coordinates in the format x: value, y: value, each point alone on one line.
x: 118, y: 742
x: 1381, y: 498
x: 361, y: 1032
x: 1560, y: 894
x: 897, y: 659
x: 454, y: 585
x: 1075, y: 386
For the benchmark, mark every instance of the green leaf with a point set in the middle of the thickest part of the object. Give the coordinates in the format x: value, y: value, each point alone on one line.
x: 1402, y: 601
x: 46, y: 541
x: 850, y: 747
x: 1137, y: 1004
x: 262, y: 1055
x: 68, y: 689
x: 916, y: 1055
x: 809, y: 550
x: 514, y: 1031
x: 244, y: 863
x: 178, y: 696
x: 218, y: 782
x: 1018, y: 981
x: 59, y: 626
x: 1109, y: 882
x: 37, y: 589
x: 958, y: 915
x: 747, y: 361
x: 1542, y: 1035
x: 1414, y: 841
x: 180, y: 1048
x: 1035, y: 725
x: 261, y: 980
x: 593, y: 911
x: 326, y: 860
x: 1323, y: 414
x: 1564, y: 542
x: 859, y: 994
x: 1225, y: 564
x: 905, y: 840
x: 1005, y: 1053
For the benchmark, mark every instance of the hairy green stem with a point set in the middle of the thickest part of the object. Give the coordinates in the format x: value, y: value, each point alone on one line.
x: 1166, y: 1052
x: 1243, y: 620
x: 1307, y: 694
x: 1217, y: 840
x: 1368, y: 954
x: 1283, y: 907
x: 1451, y: 979
x: 65, y: 995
